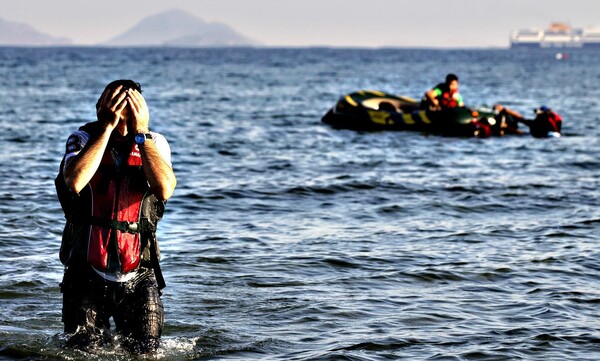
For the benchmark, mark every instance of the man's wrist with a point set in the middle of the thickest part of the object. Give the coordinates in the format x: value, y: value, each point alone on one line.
x: 141, y: 137
x: 107, y: 127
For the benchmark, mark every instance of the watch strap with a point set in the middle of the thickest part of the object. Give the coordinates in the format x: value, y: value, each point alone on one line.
x: 140, y: 138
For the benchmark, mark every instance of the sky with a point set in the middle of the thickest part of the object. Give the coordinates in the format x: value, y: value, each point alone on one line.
x: 345, y: 23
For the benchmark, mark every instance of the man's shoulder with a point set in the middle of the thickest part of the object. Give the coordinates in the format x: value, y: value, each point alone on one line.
x: 158, y: 136
x: 91, y: 127
x: 162, y: 145
x: 79, y: 138
x: 86, y: 129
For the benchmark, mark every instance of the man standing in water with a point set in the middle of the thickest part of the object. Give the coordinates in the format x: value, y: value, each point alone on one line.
x: 113, y: 183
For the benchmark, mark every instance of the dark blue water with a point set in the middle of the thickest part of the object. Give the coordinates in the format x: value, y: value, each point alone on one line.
x: 287, y: 240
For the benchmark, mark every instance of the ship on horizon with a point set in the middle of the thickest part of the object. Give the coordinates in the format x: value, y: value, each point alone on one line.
x: 557, y: 35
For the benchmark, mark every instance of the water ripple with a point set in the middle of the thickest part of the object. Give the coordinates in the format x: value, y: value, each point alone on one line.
x: 288, y: 240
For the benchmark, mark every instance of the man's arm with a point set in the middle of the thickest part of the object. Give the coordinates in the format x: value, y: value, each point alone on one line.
x: 499, y: 108
x: 80, y: 169
x: 459, y: 100
x: 432, y: 95
x: 158, y: 172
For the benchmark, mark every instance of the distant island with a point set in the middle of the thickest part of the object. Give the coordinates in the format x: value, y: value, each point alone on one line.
x: 19, y: 34
x: 175, y: 28
x: 179, y: 28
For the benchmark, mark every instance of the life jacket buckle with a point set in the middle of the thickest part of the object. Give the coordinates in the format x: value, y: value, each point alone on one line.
x: 132, y: 227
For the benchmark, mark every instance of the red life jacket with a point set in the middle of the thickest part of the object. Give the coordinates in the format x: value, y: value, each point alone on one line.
x: 446, y: 99
x: 555, y: 122
x: 117, y: 195
x: 113, y: 219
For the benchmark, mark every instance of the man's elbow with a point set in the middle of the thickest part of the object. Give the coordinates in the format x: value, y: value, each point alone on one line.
x: 74, y: 184
x: 164, y: 193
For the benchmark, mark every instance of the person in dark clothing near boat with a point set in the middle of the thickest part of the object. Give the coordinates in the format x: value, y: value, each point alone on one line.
x: 545, y: 124
x: 113, y: 184
x: 444, y: 95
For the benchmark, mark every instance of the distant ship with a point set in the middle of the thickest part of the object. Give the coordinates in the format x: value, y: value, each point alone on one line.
x: 558, y: 35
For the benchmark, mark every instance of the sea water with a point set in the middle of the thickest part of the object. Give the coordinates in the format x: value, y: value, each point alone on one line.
x: 288, y: 240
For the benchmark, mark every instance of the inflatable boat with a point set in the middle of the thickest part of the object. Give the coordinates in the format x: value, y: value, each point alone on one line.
x: 371, y: 110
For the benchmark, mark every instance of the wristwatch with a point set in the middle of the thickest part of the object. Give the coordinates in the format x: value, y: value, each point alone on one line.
x: 140, y: 138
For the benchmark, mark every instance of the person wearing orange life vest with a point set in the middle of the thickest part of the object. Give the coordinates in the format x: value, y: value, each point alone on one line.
x: 444, y: 95
x: 546, y: 124
x: 113, y: 184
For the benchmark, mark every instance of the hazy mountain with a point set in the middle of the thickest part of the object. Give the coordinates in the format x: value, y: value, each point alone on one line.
x: 179, y: 28
x: 22, y: 34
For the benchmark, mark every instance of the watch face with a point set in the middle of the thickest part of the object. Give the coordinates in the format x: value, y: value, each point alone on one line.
x: 140, y: 138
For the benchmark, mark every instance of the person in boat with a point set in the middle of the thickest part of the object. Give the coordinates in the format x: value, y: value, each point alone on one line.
x: 113, y: 184
x: 546, y: 123
x: 444, y: 95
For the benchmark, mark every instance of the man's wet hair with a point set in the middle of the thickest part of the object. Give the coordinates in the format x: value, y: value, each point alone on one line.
x: 450, y: 78
x: 126, y: 83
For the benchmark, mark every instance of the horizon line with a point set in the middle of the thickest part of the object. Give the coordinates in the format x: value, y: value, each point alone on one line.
x: 159, y: 46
